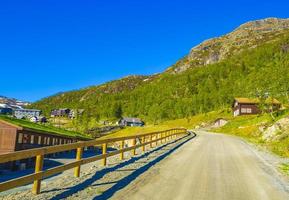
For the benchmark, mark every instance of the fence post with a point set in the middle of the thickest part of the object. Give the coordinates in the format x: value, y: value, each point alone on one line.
x: 133, y: 144
x: 38, y: 168
x: 79, y: 152
x: 143, y: 146
x: 104, y: 150
x: 122, y: 147
x: 151, y: 138
x: 167, y: 136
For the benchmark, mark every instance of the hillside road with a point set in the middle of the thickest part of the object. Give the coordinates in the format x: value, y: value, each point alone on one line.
x: 209, y: 167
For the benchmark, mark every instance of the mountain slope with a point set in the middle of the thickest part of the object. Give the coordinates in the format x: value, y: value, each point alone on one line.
x: 250, y: 71
x: 248, y: 35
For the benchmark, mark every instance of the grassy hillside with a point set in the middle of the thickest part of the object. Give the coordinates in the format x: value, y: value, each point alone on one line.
x: 250, y: 128
x: 168, y: 96
x: 188, y: 123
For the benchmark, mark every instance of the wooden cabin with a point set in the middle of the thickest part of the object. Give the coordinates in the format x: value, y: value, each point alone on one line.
x: 16, y: 138
x: 247, y: 106
x: 129, y: 121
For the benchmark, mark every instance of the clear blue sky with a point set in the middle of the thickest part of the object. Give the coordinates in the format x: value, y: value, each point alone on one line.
x: 50, y: 46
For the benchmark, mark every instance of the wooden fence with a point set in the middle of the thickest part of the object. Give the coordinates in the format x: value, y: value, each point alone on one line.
x: 151, y: 139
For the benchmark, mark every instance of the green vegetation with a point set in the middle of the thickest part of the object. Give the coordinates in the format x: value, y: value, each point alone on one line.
x: 188, y: 123
x: 42, y: 128
x: 284, y: 167
x: 248, y: 127
x: 169, y: 96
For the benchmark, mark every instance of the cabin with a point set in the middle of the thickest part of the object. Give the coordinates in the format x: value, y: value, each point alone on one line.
x: 247, y: 106
x: 128, y: 121
x: 63, y: 112
x: 14, y: 137
x: 26, y: 113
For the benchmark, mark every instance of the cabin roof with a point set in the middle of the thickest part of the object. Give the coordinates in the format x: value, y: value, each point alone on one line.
x: 256, y: 100
x: 31, y: 110
x: 133, y: 120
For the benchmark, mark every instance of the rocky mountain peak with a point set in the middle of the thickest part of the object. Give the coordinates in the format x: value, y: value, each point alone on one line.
x: 248, y: 35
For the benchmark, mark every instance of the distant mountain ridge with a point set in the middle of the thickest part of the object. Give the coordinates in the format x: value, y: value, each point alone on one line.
x: 12, y: 102
x: 246, y: 36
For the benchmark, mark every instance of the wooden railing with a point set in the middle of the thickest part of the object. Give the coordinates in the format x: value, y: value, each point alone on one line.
x: 151, y: 139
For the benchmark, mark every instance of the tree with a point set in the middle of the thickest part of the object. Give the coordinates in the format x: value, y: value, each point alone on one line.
x: 117, y: 111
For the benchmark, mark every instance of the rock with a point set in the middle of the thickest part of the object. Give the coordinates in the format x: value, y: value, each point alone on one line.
x: 248, y: 35
x: 277, y: 131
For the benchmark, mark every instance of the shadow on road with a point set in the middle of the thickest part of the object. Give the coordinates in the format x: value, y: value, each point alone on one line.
x: 126, y: 180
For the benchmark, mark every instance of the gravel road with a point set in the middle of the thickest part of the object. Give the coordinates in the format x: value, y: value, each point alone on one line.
x: 212, y: 166
x: 209, y: 166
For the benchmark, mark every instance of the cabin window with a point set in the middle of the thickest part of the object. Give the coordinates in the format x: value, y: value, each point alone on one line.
x: 20, y: 138
x: 32, y: 139
x: 249, y: 110
x: 25, y: 139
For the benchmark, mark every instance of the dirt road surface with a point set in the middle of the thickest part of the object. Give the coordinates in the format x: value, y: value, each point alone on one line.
x: 209, y: 167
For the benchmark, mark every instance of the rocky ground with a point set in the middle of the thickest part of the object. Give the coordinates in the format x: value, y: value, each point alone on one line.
x: 96, y: 181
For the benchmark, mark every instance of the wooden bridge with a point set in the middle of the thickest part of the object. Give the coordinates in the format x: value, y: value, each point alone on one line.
x: 151, y: 139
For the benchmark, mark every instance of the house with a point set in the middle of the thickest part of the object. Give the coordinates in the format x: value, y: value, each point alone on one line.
x: 247, y: 106
x: 128, y: 121
x: 26, y: 113
x: 17, y: 137
x: 220, y: 122
x: 63, y: 112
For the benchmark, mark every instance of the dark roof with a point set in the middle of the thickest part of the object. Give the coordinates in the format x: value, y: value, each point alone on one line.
x: 132, y: 120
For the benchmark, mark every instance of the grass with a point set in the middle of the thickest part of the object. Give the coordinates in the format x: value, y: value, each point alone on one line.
x: 42, y: 128
x: 188, y: 123
x: 284, y: 167
x: 247, y: 127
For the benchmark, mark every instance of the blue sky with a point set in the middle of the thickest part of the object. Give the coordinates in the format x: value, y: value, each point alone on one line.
x: 50, y: 46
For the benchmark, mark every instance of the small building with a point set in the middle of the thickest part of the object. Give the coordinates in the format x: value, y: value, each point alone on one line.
x: 26, y: 113
x: 63, y: 112
x: 129, y: 121
x: 15, y: 137
x: 247, y: 106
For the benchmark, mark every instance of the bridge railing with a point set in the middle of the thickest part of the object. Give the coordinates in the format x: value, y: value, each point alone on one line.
x: 151, y: 139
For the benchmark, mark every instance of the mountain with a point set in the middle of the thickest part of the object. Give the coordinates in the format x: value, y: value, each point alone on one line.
x: 12, y: 102
x: 251, y: 61
x: 248, y: 35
